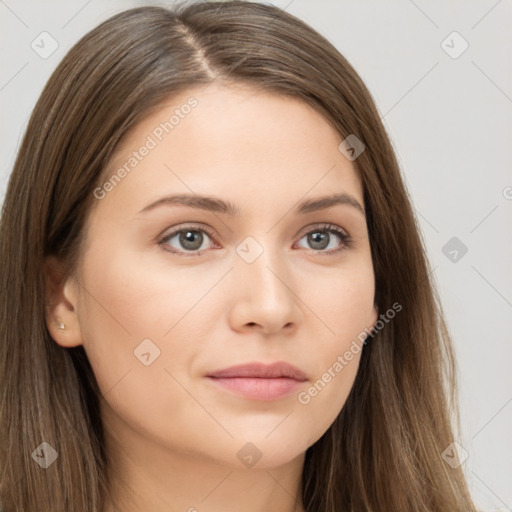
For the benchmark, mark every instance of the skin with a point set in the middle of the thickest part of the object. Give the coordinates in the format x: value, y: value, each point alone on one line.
x: 172, y: 435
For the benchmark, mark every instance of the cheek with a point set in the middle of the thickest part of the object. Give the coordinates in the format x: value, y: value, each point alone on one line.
x: 343, y: 302
x: 135, y: 320
x: 345, y: 308
x: 136, y: 298
x: 137, y: 311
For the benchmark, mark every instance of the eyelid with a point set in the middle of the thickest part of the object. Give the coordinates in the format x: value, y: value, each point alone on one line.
x: 323, y: 226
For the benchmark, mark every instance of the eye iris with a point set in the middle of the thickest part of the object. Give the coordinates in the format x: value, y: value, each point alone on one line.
x: 319, y: 237
x: 189, y: 239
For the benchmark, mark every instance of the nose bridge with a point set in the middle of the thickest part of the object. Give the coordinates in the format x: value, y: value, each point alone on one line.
x: 261, y: 260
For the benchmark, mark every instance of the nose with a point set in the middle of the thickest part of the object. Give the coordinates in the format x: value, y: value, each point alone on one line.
x: 264, y: 296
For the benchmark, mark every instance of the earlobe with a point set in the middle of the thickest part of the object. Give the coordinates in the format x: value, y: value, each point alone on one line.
x: 61, y: 305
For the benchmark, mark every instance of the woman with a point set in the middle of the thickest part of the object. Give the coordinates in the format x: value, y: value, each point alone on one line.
x: 215, y: 294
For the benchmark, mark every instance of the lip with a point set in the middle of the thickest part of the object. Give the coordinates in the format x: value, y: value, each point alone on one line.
x: 262, y: 371
x: 260, y: 381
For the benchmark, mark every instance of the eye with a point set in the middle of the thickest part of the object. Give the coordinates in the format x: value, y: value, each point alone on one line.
x: 191, y: 239
x: 188, y: 238
x: 321, y: 237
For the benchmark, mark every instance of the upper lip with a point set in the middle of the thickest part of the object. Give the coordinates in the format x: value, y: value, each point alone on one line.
x: 262, y: 371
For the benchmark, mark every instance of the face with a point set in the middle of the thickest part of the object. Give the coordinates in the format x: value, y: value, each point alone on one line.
x: 171, y: 292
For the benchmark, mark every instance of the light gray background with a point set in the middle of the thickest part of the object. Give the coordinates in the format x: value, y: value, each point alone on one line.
x: 450, y: 123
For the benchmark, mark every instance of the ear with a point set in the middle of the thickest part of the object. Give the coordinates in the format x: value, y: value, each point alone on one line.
x: 61, y: 301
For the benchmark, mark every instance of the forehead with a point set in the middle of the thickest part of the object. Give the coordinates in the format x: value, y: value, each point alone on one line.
x: 228, y: 141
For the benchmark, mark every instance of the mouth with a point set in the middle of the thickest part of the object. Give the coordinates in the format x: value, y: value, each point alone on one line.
x: 258, y: 381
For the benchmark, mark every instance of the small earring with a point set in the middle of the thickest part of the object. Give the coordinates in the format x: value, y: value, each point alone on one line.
x: 62, y: 325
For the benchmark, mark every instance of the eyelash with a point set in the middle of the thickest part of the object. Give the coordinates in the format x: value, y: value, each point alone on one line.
x: 331, y: 228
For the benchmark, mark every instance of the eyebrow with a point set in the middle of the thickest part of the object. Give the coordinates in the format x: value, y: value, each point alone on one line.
x: 214, y: 204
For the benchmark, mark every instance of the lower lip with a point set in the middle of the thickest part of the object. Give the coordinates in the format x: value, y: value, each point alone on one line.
x: 258, y: 388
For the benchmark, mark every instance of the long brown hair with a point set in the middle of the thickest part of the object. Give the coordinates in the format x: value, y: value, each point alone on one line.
x: 383, y: 451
